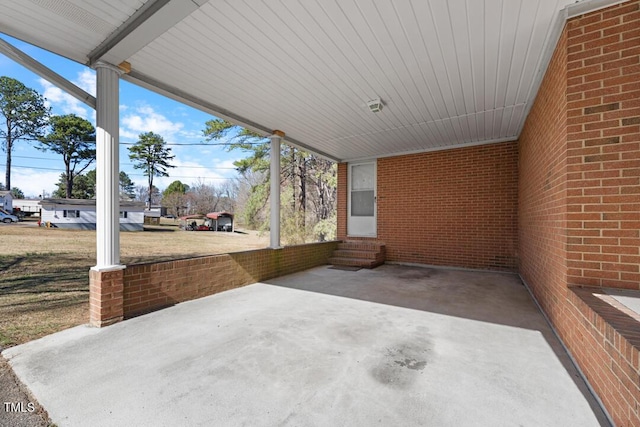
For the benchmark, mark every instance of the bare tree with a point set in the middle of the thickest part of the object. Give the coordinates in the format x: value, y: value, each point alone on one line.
x: 176, y: 203
x: 203, y: 198
x: 308, y: 184
x: 142, y: 195
x: 228, y: 196
x: 251, y: 199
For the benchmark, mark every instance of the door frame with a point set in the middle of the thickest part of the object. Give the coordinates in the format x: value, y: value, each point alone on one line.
x: 374, y: 225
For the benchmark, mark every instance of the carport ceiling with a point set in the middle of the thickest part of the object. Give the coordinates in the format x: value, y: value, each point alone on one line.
x: 449, y: 73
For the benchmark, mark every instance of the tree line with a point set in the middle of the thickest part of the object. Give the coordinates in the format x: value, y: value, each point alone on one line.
x: 308, y: 185
x: 308, y: 182
x: 26, y: 116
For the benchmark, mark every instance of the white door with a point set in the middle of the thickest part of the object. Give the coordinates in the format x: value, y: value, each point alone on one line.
x: 361, y: 215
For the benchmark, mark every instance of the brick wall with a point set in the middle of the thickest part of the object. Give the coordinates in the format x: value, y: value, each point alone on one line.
x: 579, y: 198
x: 152, y: 286
x: 603, y: 148
x: 454, y: 207
x: 542, y: 189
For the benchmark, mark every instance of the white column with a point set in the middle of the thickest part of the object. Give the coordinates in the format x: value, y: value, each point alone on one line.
x: 107, y: 167
x: 276, y: 138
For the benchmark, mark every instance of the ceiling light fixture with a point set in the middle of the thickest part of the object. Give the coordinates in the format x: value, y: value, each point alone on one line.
x: 375, y: 105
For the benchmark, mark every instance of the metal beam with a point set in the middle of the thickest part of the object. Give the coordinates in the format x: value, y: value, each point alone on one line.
x: 147, y: 24
x: 46, y: 73
x: 202, y: 105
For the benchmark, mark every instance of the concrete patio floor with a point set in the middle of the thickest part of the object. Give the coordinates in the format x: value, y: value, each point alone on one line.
x: 394, y: 346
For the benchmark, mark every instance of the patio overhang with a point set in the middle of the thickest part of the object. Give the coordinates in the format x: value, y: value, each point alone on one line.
x: 442, y: 75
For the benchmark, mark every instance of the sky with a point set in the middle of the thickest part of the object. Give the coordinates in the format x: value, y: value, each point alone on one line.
x: 35, y: 171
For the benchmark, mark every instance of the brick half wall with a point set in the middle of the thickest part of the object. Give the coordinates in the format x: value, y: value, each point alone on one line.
x: 149, y: 287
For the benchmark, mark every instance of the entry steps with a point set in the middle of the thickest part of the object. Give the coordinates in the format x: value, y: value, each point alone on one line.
x: 358, y: 253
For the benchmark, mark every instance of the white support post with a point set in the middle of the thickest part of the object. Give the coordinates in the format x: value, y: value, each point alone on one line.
x: 107, y: 167
x: 276, y: 138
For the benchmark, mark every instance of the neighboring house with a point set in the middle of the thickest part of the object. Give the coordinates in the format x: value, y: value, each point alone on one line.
x: 81, y: 214
x: 6, y: 201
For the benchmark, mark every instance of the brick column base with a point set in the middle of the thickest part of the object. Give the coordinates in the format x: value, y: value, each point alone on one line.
x: 106, y: 301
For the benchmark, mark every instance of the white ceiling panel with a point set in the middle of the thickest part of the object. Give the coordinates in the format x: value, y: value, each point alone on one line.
x: 449, y: 72
x: 70, y: 28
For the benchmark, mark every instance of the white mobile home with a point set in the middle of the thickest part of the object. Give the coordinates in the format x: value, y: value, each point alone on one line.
x: 81, y: 214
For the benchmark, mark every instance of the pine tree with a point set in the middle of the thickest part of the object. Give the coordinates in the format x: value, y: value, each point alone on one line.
x: 74, y: 138
x: 25, y: 115
x: 151, y: 155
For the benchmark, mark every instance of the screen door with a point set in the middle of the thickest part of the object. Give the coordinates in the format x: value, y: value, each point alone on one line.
x: 362, y: 200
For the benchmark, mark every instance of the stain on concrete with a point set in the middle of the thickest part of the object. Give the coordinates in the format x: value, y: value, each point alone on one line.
x: 399, y: 366
x: 414, y: 364
x: 417, y: 273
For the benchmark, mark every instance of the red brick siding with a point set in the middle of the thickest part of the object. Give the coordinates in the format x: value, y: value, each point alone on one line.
x: 454, y: 208
x: 105, y: 297
x: 148, y: 287
x: 608, y: 350
x: 542, y: 189
x: 603, y: 148
x: 578, y: 198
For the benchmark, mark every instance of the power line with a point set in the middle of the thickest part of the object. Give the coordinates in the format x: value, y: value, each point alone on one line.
x: 199, y: 144
x: 173, y: 144
x: 39, y: 168
x: 128, y: 164
x: 132, y: 174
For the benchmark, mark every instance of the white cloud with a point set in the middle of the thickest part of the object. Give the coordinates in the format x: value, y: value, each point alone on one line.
x: 146, y: 119
x: 191, y: 134
x: 32, y: 181
x: 87, y: 80
x: 190, y: 172
x: 61, y: 100
x: 226, y: 164
x: 128, y: 135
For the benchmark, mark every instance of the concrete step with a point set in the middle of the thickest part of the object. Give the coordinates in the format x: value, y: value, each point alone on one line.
x: 359, y: 253
x: 355, y: 262
x: 357, y: 245
x: 350, y: 253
